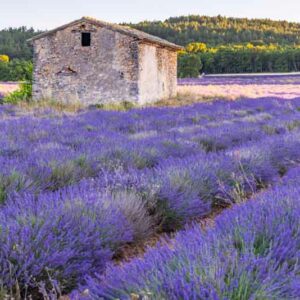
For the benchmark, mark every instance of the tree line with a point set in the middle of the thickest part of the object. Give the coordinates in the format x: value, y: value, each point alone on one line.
x: 13, y: 42
x: 215, y: 31
x: 213, y: 45
x: 199, y: 58
x: 16, y: 54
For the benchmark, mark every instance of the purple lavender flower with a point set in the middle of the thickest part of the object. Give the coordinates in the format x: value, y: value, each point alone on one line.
x: 64, y: 235
x: 251, y: 252
x: 74, y: 188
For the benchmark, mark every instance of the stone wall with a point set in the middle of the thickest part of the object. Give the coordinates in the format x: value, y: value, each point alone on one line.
x: 157, y: 73
x: 115, y: 68
x: 106, y: 71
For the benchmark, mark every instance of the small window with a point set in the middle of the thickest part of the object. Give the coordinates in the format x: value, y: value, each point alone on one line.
x: 86, y: 39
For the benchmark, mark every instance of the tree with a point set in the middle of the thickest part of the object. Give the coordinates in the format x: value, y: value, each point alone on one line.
x: 13, y: 42
x: 215, y: 31
x: 196, y: 47
x: 189, y: 65
x: 240, y: 58
x: 16, y: 70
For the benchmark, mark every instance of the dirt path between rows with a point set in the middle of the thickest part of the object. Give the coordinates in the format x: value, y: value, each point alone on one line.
x: 132, y: 251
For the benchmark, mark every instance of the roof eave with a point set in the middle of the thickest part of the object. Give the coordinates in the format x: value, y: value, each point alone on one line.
x: 49, y: 32
x: 170, y: 46
x: 113, y: 27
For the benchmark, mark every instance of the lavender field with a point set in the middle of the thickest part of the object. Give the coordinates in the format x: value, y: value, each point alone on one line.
x: 238, y: 86
x: 77, y: 189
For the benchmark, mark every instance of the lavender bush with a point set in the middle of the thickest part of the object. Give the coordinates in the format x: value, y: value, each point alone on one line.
x: 63, y: 236
x: 74, y: 188
x: 240, y: 86
x: 272, y: 79
x: 251, y: 252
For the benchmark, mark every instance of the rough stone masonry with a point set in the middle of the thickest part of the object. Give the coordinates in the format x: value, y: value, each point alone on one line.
x: 92, y: 62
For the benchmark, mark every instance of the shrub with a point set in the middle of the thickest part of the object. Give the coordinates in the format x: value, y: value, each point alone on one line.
x: 23, y: 94
x: 252, y: 252
x: 189, y: 65
x: 122, y: 106
x: 4, y: 58
x: 129, y: 173
x: 62, y: 236
x: 9, y: 184
x: 16, y: 70
x: 136, y: 213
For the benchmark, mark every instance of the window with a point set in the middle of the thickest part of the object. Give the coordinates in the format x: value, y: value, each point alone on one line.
x: 85, y: 39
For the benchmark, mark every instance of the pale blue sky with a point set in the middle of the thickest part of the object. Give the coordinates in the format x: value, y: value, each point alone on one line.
x: 46, y: 14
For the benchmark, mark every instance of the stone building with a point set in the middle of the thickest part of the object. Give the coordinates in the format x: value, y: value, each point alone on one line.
x: 92, y: 61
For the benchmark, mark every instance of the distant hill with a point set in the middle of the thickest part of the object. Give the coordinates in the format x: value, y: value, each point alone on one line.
x: 220, y: 30
x: 183, y: 30
x: 215, y: 45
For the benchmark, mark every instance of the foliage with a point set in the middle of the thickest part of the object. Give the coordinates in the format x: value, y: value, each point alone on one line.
x: 183, y: 30
x: 122, y: 106
x: 21, y: 95
x: 13, y: 42
x: 241, y: 58
x: 4, y: 58
x: 189, y: 65
x: 95, y: 180
x: 16, y: 70
x: 250, y: 253
x: 62, y: 236
x: 221, y: 45
x: 221, y: 30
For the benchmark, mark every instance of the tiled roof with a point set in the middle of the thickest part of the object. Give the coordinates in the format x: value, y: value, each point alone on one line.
x: 140, y: 35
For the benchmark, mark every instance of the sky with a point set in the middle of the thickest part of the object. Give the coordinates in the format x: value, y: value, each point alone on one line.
x: 47, y: 14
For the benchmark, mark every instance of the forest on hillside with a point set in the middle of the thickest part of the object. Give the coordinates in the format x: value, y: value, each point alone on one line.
x: 215, y: 31
x: 13, y: 42
x: 213, y: 45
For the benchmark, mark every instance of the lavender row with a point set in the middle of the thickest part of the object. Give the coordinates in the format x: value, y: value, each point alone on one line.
x: 251, y: 252
x: 39, y: 154
x: 75, y: 189
x: 74, y: 232
x: 242, y: 80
